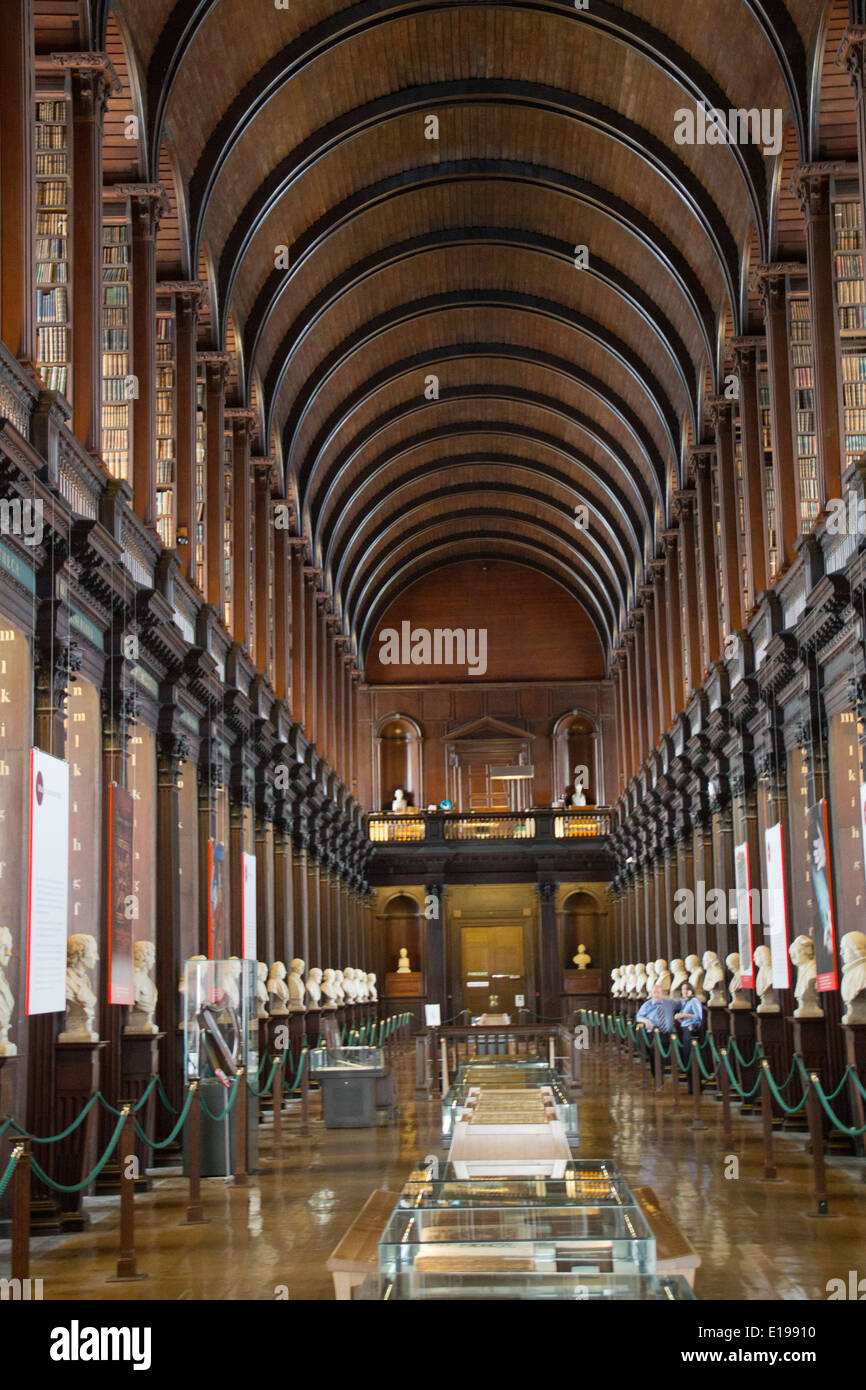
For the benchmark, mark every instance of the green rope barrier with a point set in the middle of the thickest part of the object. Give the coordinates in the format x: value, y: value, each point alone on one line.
x: 294, y: 1086
x: 165, y: 1100
x: 745, y: 1095
x: 833, y: 1117
x: 266, y: 1089
x: 8, y: 1171
x: 848, y: 1070
x: 707, y: 1075
x: 665, y: 1055
x: 164, y: 1143
x: 739, y: 1056
x: 228, y: 1105
x: 788, y: 1109
x: 55, y: 1138
x: 855, y: 1078
x: 675, y: 1046
x: 91, y: 1177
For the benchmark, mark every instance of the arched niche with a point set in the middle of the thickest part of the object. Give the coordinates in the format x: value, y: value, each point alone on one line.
x: 403, y: 925
x: 398, y: 760
x: 583, y: 920
x: 577, y: 743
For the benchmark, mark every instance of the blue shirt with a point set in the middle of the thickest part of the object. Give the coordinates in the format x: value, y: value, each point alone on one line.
x: 647, y: 1013
x: 693, y: 1009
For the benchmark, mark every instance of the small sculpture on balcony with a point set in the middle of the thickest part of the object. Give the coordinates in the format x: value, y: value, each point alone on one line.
x: 403, y: 966
x: 399, y: 803
x: 583, y: 958
x: 578, y: 796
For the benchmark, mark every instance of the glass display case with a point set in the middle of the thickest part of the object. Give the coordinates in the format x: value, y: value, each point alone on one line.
x: 583, y: 1240
x: 220, y: 1020
x: 346, y: 1059
x: 490, y: 1287
x: 589, y: 1186
x: 460, y: 1098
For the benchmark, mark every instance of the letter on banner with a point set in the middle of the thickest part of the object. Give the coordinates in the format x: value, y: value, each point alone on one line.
x: 744, y: 915
x: 121, y: 984
x: 48, y: 885
x: 820, y: 874
x: 776, y: 925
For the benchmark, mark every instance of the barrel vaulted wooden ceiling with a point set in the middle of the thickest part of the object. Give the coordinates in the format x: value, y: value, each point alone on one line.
x: 306, y: 127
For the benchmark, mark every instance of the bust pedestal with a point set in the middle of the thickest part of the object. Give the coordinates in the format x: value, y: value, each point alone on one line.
x: 773, y: 1037
x: 139, y: 1058
x: 810, y: 1041
x: 743, y: 1033
x: 313, y: 1025
x: 855, y: 1056
x: 7, y: 1089
x: 76, y: 1079
x: 719, y: 1028
x: 404, y: 984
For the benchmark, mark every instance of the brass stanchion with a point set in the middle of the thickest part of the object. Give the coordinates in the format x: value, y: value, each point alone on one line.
x: 127, y: 1269
x: 240, y: 1178
x: 644, y: 1057
x: 21, y: 1209
x: 305, y: 1093
x: 767, y: 1123
x: 194, y: 1212
x: 697, y: 1122
x: 725, y: 1083
x: 816, y: 1135
x: 675, y: 1073
x: 277, y: 1104
x: 659, y: 1064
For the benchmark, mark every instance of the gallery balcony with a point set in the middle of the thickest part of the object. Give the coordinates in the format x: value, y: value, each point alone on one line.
x: 457, y: 846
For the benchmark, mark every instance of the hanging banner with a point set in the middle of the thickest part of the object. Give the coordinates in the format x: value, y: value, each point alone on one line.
x: 48, y: 884
x: 823, y: 931
x: 123, y: 904
x: 744, y: 915
x: 217, y: 943
x: 248, y: 906
x: 863, y: 825
x: 776, y: 908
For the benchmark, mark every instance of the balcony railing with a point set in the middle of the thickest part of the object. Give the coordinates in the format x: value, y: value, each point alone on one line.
x: 412, y: 827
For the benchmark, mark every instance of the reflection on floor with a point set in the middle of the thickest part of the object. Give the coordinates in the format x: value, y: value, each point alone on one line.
x: 272, y: 1239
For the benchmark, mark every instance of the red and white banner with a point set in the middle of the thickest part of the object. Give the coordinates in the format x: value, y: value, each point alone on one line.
x: 776, y: 915
x: 248, y: 906
x: 744, y: 916
x: 48, y: 884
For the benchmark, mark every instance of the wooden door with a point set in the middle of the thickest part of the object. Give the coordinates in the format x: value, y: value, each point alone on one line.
x: 492, y: 965
x: 482, y: 792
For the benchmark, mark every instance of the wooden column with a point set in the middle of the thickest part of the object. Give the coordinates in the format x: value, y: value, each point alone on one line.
x: 263, y: 535
x: 708, y: 597
x: 687, y: 504
x: 282, y: 614
x: 772, y: 282
x: 653, y: 721
x: 673, y: 662
x: 640, y: 687
x: 172, y: 750
x: 300, y: 897
x: 299, y: 629
x: 621, y: 713
x: 18, y: 182
x: 241, y: 422
x: 813, y: 189
x: 342, y: 701
x: 354, y: 681
x: 311, y: 674
x: 187, y: 297
x: 745, y: 352
x: 284, y: 901
x: 722, y: 415
x: 660, y: 649
x: 323, y: 674
x: 147, y: 202
x: 332, y: 695
x: 216, y: 370
x: 92, y: 78
x: 633, y: 740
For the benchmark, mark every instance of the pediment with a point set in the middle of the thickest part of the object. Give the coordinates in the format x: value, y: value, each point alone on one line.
x: 484, y: 729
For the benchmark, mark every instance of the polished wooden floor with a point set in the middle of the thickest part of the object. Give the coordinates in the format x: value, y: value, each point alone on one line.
x: 757, y: 1240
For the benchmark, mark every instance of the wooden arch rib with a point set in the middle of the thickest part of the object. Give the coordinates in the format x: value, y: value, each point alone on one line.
x: 189, y: 16
x: 530, y: 177
x: 423, y: 99
x: 382, y: 542
x: 358, y: 509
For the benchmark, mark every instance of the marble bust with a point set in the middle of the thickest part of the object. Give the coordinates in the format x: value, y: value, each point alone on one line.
x: 679, y: 976
x: 181, y: 988
x: 297, y: 988
x: 371, y: 982
x: 142, y: 1011
x: 582, y: 959
x: 630, y: 982
x: 329, y: 990
x: 736, y: 989
x: 81, y: 958
x: 277, y: 989
x: 339, y: 986
x: 364, y: 995
x: 262, y: 989
x: 314, y: 988
x: 714, y: 980
x: 578, y: 796
x: 853, y: 949
x: 7, y: 999
x: 802, y: 953
x: 650, y: 977
x: 349, y: 984
x: 231, y: 981
x: 640, y: 982
x: 614, y: 981
x: 764, y: 981
x: 403, y: 966
x: 663, y: 976
x: 696, y: 976
x: 399, y: 803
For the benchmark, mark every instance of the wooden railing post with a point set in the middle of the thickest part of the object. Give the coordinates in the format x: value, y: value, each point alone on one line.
x: 127, y: 1268
x: 194, y: 1212
x: 277, y: 1104
x: 725, y: 1084
x: 697, y: 1122
x: 240, y: 1178
x: 21, y: 1208
x: 767, y: 1123
x: 816, y: 1135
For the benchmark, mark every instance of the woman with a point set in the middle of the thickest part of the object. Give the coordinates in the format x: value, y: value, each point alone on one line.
x: 690, y: 1017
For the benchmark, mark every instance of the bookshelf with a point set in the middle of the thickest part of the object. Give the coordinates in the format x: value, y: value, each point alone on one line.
x: 850, y: 298
x: 228, y: 479
x: 166, y: 422
x: 200, y: 474
x: 769, y: 482
x: 116, y: 339
x: 53, y: 290
x: 803, y: 402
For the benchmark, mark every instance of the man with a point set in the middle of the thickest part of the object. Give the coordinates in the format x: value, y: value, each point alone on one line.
x: 690, y: 1017
x: 655, y: 1018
